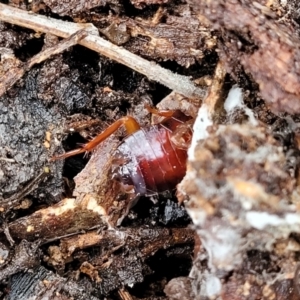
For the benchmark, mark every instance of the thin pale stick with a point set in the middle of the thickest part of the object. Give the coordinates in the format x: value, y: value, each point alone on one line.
x: 56, y: 49
x: 181, y: 84
x: 14, y: 74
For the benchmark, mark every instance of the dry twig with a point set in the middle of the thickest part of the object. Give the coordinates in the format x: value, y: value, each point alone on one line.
x: 14, y: 74
x: 181, y: 84
x: 56, y: 49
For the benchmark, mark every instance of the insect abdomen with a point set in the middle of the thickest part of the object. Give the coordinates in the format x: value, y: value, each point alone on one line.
x: 151, y: 162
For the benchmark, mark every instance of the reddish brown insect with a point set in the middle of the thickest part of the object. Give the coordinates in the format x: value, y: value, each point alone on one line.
x: 150, y: 160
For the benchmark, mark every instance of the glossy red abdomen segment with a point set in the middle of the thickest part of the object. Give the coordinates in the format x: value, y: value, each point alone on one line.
x: 149, y: 161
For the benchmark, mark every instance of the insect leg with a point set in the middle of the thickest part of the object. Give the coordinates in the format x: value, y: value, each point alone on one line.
x: 131, y: 126
x: 162, y: 113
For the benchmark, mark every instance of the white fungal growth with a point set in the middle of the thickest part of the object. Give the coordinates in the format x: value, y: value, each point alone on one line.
x: 260, y: 220
x: 222, y: 244
x: 213, y: 286
x: 235, y: 101
x: 202, y: 122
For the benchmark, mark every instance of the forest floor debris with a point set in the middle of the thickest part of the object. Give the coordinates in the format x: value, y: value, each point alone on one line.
x: 231, y: 65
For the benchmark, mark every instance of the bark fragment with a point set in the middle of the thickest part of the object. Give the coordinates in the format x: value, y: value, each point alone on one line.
x: 142, y: 3
x: 70, y: 8
x: 25, y: 257
x: 181, y: 38
x: 266, y: 49
x: 44, y: 284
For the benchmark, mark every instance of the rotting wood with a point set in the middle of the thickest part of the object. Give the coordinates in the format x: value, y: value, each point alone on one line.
x: 65, y: 217
x: 25, y: 257
x: 14, y: 200
x: 73, y: 215
x: 139, y: 244
x: 181, y: 84
x: 95, y: 203
x: 266, y: 49
x: 149, y: 240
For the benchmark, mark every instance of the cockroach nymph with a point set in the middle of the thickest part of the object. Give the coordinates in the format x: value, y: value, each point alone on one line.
x: 150, y: 160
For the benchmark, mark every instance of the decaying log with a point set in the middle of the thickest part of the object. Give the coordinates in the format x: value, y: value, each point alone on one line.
x: 244, y: 203
x: 97, y: 195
